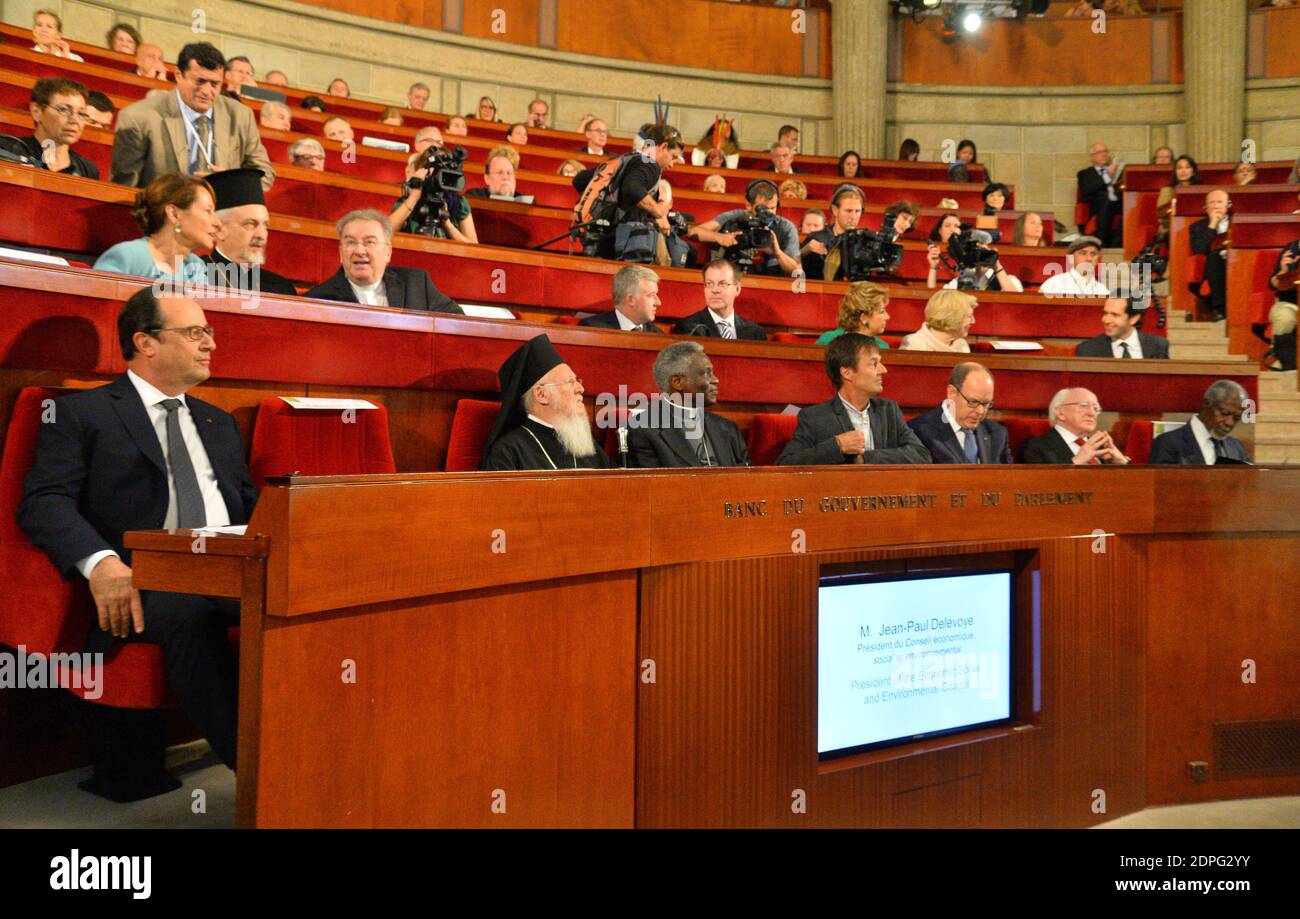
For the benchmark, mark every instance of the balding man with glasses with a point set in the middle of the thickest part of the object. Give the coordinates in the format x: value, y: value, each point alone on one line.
x: 141, y: 454
x: 958, y: 431
x: 1074, y: 437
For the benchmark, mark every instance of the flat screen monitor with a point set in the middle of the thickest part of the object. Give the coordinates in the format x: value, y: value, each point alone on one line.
x: 903, y: 658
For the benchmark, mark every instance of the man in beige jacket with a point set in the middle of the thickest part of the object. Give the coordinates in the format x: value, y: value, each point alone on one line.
x: 192, y: 129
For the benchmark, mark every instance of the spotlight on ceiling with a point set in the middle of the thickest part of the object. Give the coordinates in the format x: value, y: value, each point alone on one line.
x: 971, y: 22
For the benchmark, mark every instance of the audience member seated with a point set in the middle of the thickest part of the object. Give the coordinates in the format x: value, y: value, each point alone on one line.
x: 715, y: 184
x: 1121, y: 338
x: 457, y: 221
x: 364, y: 275
x: 967, y: 156
x: 788, y: 134
x: 487, y: 110
x: 781, y: 256
x: 178, y: 216
x: 100, y: 110
x: 517, y: 135
x: 793, y: 189
x: 417, y: 96
x: 1207, y: 439
x: 949, y: 315
x: 1185, y: 172
x: 1074, y: 437
x: 901, y: 217
x: 1244, y: 174
x: 719, y: 319
x: 276, y: 78
x: 1208, y: 236
x: 427, y: 137
x: 221, y: 133
x: 635, y: 291
x: 538, y: 113
x: 339, y: 89
x: 846, y: 210
x: 719, y: 148
x: 542, y: 423
x: 863, y: 310
x: 677, y: 431
x: 277, y: 116
x: 58, y: 110
x: 499, y: 179
x: 1083, y: 260
x: 239, y: 73
x: 308, y: 153
x: 1028, y: 230
x: 1282, y: 316
x: 140, y: 454
x: 959, y: 431
x: 856, y: 425
x: 783, y: 160
x: 123, y: 38
x: 391, y: 116
x: 1098, y: 188
x: 958, y: 172
x: 569, y: 168
x: 240, y: 251
x: 909, y: 151
x: 457, y: 126
x: 338, y: 129
x: 597, y: 134
x: 814, y: 219
x: 149, y: 62
x: 1162, y: 156
x: 995, y: 197
x: 850, y: 165
x: 47, y: 31
x: 313, y: 103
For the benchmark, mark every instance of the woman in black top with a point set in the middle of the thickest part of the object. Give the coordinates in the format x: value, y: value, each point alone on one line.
x: 58, y: 109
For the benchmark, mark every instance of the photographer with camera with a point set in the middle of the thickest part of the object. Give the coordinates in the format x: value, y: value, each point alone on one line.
x: 846, y: 210
x: 756, y: 238
x: 432, y: 203
x: 971, y: 258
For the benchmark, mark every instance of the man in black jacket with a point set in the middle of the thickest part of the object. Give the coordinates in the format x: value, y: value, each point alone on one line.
x: 719, y: 319
x: 1206, y: 238
x: 139, y: 454
x: 1097, y: 187
x: 1206, y: 440
x: 1074, y: 437
x: 365, y: 246
x: 245, y: 230
x: 635, y: 290
x: 958, y: 431
x: 1120, y: 318
x: 855, y: 425
x: 676, y: 431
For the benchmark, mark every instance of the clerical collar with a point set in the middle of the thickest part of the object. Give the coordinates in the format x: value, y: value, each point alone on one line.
x: 535, y: 419
x: 360, y: 289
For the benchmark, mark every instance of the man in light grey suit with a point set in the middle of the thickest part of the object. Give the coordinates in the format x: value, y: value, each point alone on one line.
x: 192, y: 129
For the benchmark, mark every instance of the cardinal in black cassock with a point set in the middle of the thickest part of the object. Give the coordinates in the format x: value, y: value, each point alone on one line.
x: 542, y: 423
x: 244, y: 219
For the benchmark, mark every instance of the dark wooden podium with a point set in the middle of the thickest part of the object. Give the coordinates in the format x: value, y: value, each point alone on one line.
x: 639, y: 648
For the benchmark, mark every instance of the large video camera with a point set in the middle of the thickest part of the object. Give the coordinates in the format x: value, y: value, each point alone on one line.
x: 970, y: 253
x: 753, y: 235
x: 1150, y: 257
x: 446, y: 174
x: 865, y: 254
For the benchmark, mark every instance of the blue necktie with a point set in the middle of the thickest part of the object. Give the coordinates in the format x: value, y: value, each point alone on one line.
x: 970, y: 446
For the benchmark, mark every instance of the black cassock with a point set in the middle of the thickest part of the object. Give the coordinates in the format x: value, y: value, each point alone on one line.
x: 535, y: 446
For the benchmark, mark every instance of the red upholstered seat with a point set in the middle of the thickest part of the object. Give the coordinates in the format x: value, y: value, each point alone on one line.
x: 1138, y: 444
x: 795, y: 336
x: 567, y: 319
x: 319, y: 442
x: 470, y: 427
x: 768, y: 435
x: 894, y: 341
x: 1194, y: 274
x: 1262, y: 296
x: 1084, y: 219
x: 1020, y: 430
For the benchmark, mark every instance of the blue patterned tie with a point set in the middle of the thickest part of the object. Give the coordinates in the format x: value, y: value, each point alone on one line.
x: 190, y: 512
x: 970, y: 446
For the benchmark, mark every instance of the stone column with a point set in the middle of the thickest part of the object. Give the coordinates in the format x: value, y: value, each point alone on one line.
x: 1214, y: 78
x: 859, y: 45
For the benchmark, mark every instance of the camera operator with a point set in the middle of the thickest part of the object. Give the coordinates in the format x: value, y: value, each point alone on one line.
x: 428, y: 206
x: 846, y: 210
x: 974, y: 262
x: 734, y: 231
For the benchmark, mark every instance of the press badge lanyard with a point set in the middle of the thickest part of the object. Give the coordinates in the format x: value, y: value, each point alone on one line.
x: 212, y: 137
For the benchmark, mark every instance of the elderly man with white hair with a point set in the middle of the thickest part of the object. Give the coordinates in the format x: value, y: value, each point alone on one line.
x: 240, y: 251
x: 308, y: 153
x: 1074, y: 437
x: 276, y: 116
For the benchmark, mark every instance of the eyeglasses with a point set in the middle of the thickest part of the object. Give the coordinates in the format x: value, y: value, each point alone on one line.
x: 1092, y: 405
x: 68, y: 111
x: 978, y: 404
x: 718, y: 285
x: 192, y: 332
x: 576, y: 381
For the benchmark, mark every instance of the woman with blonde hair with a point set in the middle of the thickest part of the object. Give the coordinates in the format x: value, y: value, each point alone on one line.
x: 793, y: 188
x: 179, y: 217
x: 949, y: 315
x: 570, y: 168
x: 862, y: 310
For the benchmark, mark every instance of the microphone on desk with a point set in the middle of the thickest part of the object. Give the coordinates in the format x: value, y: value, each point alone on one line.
x: 622, y: 445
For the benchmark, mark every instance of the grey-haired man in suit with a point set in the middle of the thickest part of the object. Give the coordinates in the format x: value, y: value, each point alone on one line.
x: 1206, y: 440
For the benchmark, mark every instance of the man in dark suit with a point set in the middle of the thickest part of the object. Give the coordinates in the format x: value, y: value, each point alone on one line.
x: 139, y: 454
x: 1097, y: 187
x: 958, y: 431
x: 719, y: 319
x: 1204, y: 237
x: 365, y: 246
x: 1120, y: 318
x: 635, y: 290
x: 855, y: 425
x: 1074, y: 437
x: 1206, y: 440
x: 676, y: 430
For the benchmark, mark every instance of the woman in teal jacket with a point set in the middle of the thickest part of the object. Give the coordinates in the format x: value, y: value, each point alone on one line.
x: 862, y: 310
x: 178, y: 216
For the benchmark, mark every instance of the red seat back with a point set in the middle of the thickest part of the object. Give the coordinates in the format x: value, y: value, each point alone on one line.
x: 470, y: 427
x: 1138, y: 444
x: 1020, y: 430
x: 794, y: 336
x: 316, y: 442
x: 768, y: 435
x: 567, y: 319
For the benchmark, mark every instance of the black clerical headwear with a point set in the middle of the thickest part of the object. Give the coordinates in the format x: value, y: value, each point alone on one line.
x: 237, y: 187
x: 533, y: 360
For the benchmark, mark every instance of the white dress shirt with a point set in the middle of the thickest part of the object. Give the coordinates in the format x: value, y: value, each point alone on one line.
x: 962, y: 434
x: 627, y: 325
x: 1069, y: 439
x: 371, y: 294
x: 1072, y: 284
x: 1204, y: 440
x: 214, y: 505
x: 860, y: 421
x: 1134, y: 345
x: 1109, y: 179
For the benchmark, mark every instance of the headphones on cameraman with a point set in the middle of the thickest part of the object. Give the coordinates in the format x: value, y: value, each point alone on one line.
x: 751, y: 189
